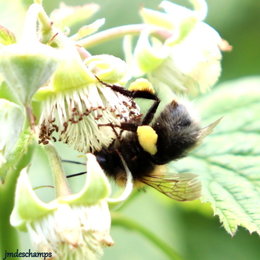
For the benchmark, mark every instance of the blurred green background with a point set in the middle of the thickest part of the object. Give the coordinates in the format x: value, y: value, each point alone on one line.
x: 190, y: 228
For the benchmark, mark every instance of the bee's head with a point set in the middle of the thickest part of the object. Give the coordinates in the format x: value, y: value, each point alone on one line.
x: 177, y: 131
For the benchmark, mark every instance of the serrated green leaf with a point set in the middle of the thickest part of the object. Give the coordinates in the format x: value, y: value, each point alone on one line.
x: 228, y: 161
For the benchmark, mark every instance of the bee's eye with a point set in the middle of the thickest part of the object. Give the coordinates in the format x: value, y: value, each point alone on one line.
x: 101, y: 159
x: 185, y: 122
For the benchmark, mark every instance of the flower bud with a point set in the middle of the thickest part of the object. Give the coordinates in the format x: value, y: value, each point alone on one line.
x: 27, y: 64
x: 25, y: 70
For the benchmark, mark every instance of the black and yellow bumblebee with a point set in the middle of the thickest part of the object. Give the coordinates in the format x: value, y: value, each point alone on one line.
x: 147, y: 143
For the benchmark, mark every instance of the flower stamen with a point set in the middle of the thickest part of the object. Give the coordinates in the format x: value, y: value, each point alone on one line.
x: 74, y: 117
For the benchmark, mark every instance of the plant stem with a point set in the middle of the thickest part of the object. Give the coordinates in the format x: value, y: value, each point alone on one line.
x: 22, y: 156
x: 120, y: 31
x: 61, y: 185
x: 30, y: 117
x: 119, y: 220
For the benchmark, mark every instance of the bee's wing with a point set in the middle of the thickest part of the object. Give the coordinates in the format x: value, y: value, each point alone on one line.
x: 180, y: 187
x: 208, y: 129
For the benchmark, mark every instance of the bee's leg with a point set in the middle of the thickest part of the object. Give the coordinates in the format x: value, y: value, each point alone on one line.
x: 116, y: 88
x: 152, y: 110
x: 146, y: 94
x: 125, y: 126
x: 118, y: 136
x: 150, y: 113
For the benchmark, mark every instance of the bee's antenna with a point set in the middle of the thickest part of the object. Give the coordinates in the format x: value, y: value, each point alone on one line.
x: 74, y: 162
x: 75, y: 174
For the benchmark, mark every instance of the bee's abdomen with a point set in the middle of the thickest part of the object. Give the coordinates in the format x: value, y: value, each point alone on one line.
x: 137, y: 160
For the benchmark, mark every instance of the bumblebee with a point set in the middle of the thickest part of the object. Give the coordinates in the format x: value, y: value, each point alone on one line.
x: 148, y: 143
x: 145, y: 144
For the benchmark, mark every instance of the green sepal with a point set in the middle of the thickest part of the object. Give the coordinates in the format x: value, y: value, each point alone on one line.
x: 149, y: 57
x: 68, y: 16
x: 185, y: 28
x: 6, y: 92
x: 44, y: 93
x: 6, y: 36
x: 89, y: 29
x: 201, y: 8
x: 156, y: 18
x: 96, y: 187
x: 108, y: 68
x: 71, y: 74
x: 25, y: 69
x: 27, y: 207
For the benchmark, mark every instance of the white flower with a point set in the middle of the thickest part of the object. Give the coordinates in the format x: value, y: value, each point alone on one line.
x: 73, y: 232
x: 193, y: 64
x: 188, y: 59
x: 75, y: 109
x: 75, y: 226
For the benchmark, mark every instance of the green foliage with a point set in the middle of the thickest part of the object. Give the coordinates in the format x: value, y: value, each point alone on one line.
x: 228, y: 160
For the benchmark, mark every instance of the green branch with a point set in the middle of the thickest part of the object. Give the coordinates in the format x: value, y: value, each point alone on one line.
x: 119, y: 220
x: 117, y: 32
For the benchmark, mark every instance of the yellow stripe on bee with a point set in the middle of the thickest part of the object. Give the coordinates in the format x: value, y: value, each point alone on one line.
x: 141, y: 85
x: 147, y: 138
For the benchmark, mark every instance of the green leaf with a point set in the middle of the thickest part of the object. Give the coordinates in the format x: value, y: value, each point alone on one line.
x: 228, y: 161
